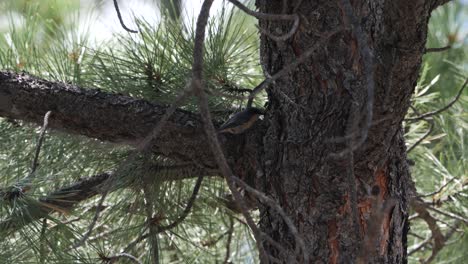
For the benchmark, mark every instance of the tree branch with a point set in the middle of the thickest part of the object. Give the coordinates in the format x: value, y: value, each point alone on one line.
x: 68, y: 197
x: 421, y: 209
x: 109, y: 117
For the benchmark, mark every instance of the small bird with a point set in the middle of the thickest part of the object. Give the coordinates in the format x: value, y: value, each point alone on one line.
x: 241, y: 121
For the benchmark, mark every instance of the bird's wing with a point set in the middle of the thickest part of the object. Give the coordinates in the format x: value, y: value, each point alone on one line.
x: 229, y: 124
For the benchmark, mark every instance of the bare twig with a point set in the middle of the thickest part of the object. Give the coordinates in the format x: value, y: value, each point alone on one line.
x: 439, y: 239
x: 419, y: 246
x: 429, y: 50
x: 436, y: 250
x: 260, y: 15
x: 67, y: 197
x: 93, y: 223
x: 428, y: 241
x: 438, y: 190
x: 421, y: 208
x: 286, y: 36
x: 176, y: 222
x: 187, y: 208
x: 416, y: 235
x: 149, y: 215
x: 211, y: 242
x: 146, y: 143
x: 116, y: 6
x: 123, y: 255
x: 43, y: 242
x: 454, y: 100
x: 449, y: 215
x: 273, y: 204
x: 229, y: 239
x: 290, y: 67
x: 140, y: 238
x: 429, y: 131
x: 265, y: 16
x: 39, y: 144
x: 197, y: 86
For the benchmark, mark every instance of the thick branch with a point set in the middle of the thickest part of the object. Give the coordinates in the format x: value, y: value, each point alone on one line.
x: 105, y: 116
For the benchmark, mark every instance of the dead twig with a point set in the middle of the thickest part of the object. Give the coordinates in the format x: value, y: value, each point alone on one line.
x: 229, y: 239
x: 454, y: 100
x: 93, y: 223
x: 140, y: 238
x: 39, y: 144
x: 449, y: 214
x: 285, y: 36
x: 429, y: 131
x: 422, y: 209
x: 114, y: 258
x: 116, y: 6
x: 436, y: 250
x: 187, y: 208
x: 429, y: 50
x: 197, y: 87
x: 265, y: 16
x: 260, y: 15
x: 419, y: 246
x: 273, y: 204
x: 149, y: 218
x: 438, y: 190
x: 290, y: 67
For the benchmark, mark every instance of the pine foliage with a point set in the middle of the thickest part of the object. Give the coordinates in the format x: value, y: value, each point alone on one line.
x: 155, y: 65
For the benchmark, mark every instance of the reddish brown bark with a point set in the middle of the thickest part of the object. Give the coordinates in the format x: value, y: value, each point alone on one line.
x: 312, y: 106
x: 291, y: 154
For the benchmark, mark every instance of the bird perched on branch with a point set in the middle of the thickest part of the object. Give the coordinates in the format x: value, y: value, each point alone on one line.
x: 241, y: 121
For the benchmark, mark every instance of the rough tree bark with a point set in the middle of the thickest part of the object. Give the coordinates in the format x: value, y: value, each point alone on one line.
x: 311, y: 106
x: 291, y: 153
x: 108, y: 117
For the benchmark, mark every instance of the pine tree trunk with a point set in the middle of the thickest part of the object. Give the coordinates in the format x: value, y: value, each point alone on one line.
x: 310, y: 108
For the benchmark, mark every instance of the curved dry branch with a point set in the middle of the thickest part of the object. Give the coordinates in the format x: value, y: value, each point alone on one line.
x: 117, y: 9
x: 309, y: 52
x: 260, y: 15
x: 213, y: 142
x: 274, y: 204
